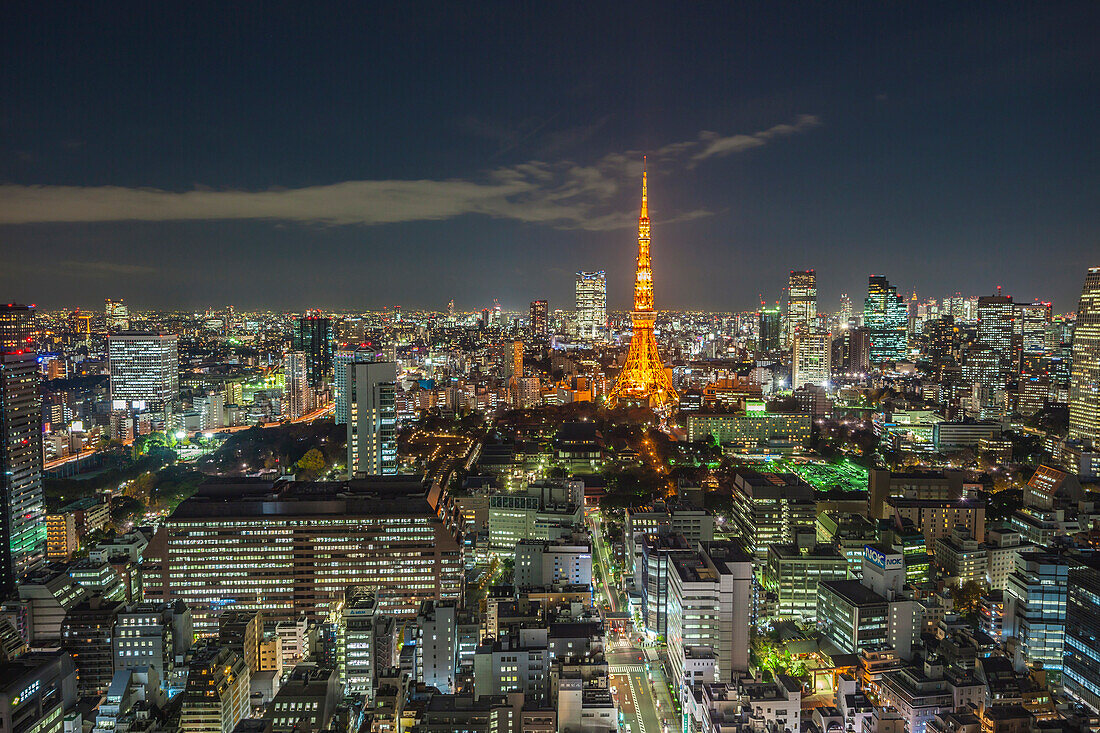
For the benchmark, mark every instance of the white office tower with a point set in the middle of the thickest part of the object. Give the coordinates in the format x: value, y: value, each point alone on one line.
x: 297, y: 393
x: 811, y: 358
x: 436, y: 645
x: 144, y: 369
x: 591, y: 304
x: 372, y: 418
x: 1084, y: 384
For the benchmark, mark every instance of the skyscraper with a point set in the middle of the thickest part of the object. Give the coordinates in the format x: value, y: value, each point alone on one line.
x: 1084, y: 384
x: 812, y: 351
x: 540, y: 319
x: 996, y: 324
x: 802, y: 305
x: 314, y: 337
x: 768, y: 330
x: 591, y: 304
x: 372, y: 418
x: 643, y: 378
x: 297, y: 393
x: 116, y: 315
x: 144, y: 369
x: 1033, y: 323
x: 22, y: 508
x: 885, y: 314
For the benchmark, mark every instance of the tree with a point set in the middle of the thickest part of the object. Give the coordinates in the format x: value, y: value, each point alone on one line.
x: 126, y: 509
x: 312, y: 463
x: 968, y: 597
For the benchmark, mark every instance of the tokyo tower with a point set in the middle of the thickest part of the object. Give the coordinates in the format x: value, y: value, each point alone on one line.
x: 643, y: 380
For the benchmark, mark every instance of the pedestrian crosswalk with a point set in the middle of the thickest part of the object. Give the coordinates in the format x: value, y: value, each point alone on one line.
x: 625, y: 668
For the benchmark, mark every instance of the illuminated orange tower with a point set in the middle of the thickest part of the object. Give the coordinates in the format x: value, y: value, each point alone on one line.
x: 643, y: 380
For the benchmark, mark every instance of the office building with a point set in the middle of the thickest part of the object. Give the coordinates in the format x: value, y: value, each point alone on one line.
x: 561, y: 562
x: 1035, y: 609
x: 769, y: 508
x: 306, y: 700
x: 289, y: 549
x: 86, y: 634
x: 22, y: 503
x: 852, y: 616
x: 217, y: 694
x: 367, y: 642
x: 437, y: 645
x: 801, y: 303
x: 242, y: 632
x: 1084, y: 385
x: 887, y: 318
x: 882, y: 485
x: 153, y: 635
x: 812, y: 352
x: 372, y: 418
x: 794, y: 571
x: 144, y: 369
x: 768, y: 330
x: 1033, y: 325
x: 752, y: 428
x: 996, y: 325
x: 313, y: 337
x: 1081, y: 675
x: 540, y: 318
x: 36, y: 691
x: 116, y: 315
x: 591, y: 304
x: 851, y: 352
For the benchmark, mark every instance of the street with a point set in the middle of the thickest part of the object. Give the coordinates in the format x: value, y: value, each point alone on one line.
x: 640, y: 690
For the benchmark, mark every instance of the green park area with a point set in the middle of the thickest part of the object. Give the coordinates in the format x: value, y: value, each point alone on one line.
x: 842, y: 475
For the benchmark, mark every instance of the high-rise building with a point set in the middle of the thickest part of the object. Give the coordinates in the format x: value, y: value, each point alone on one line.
x: 851, y: 352
x: 314, y: 337
x: 22, y: 504
x: 366, y: 642
x: 812, y: 351
x: 591, y: 304
x: 768, y: 330
x: 437, y: 645
x: 540, y: 318
x: 297, y: 392
x: 372, y: 418
x: 643, y: 379
x: 996, y: 324
x: 289, y: 549
x: 1033, y: 322
x: 885, y: 314
x: 86, y: 635
x: 801, y: 303
x: 144, y: 369
x: 845, y: 313
x: 1081, y: 674
x: 116, y: 315
x: 1084, y: 385
x: 1035, y: 609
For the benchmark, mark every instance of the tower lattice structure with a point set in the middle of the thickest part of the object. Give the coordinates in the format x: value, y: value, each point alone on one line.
x: 643, y: 380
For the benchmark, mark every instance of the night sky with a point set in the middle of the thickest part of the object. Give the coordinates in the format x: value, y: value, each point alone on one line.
x: 356, y: 156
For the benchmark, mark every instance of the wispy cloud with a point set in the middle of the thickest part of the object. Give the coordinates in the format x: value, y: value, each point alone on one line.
x: 715, y: 145
x: 565, y: 195
x: 102, y: 268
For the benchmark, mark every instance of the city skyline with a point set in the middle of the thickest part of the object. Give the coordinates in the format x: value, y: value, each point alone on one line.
x: 945, y: 149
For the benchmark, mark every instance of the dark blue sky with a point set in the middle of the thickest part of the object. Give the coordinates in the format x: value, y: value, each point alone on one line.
x: 356, y: 155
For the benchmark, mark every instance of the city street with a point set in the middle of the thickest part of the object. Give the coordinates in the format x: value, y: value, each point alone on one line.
x: 641, y: 694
